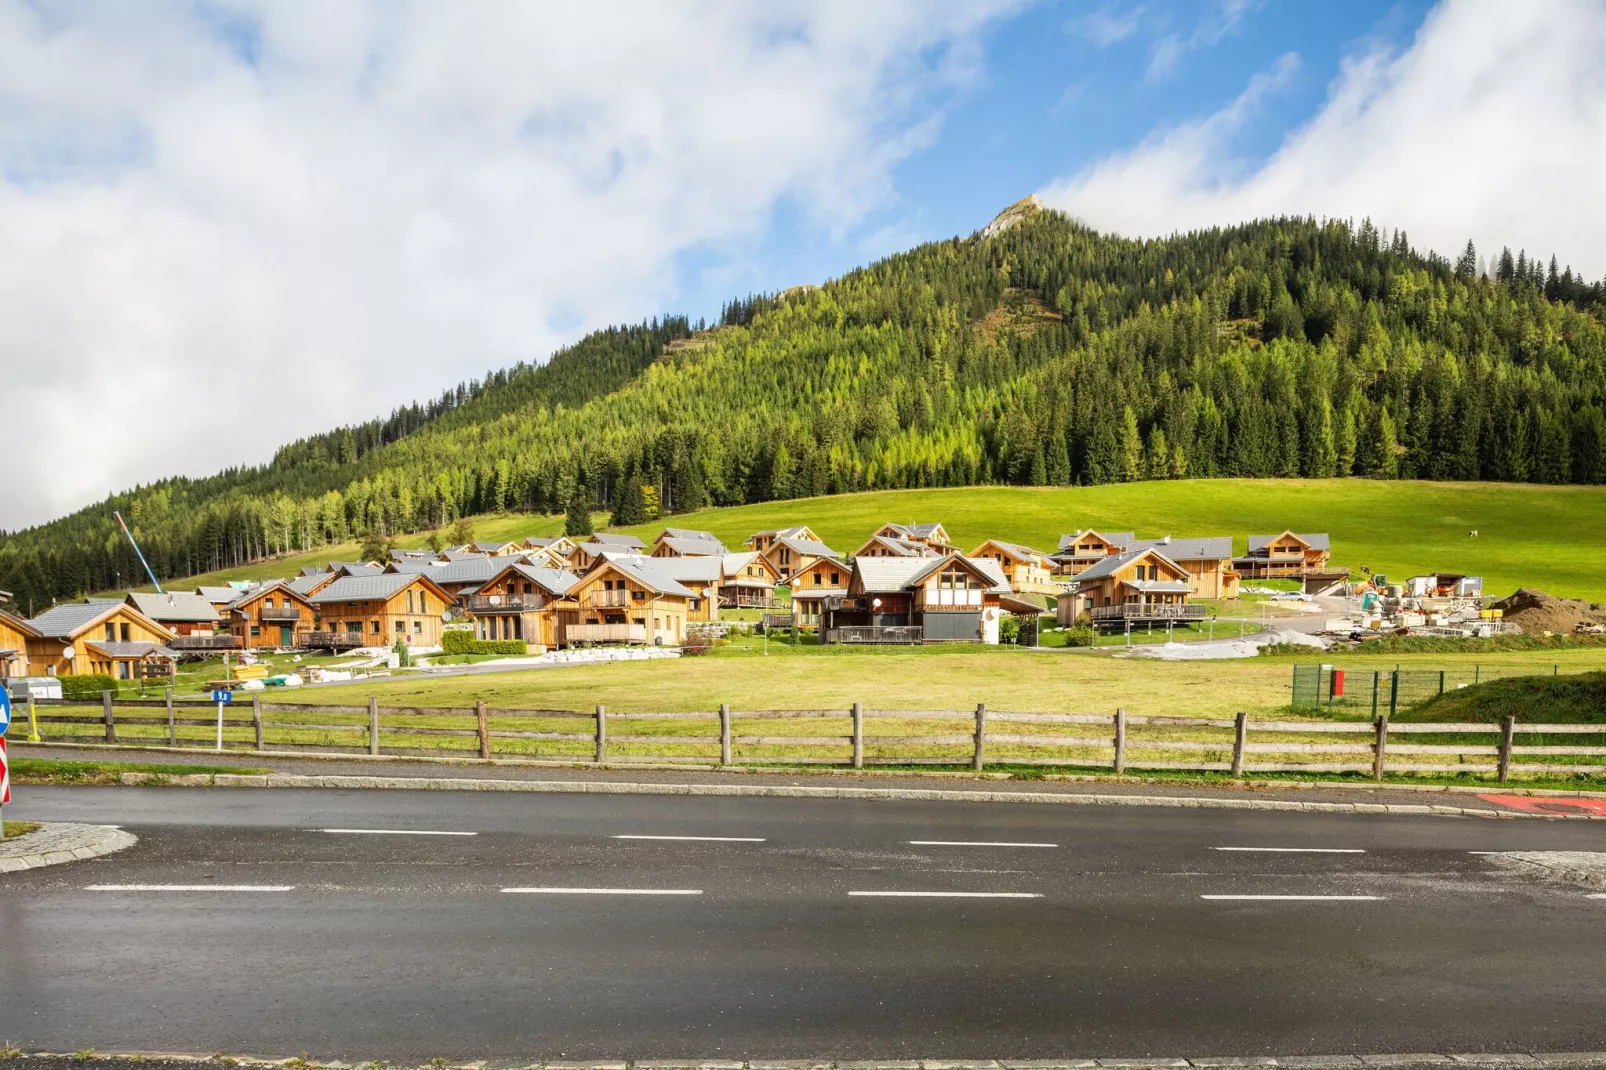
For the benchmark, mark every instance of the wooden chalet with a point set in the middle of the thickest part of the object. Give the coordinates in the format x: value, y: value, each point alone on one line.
x: 702, y: 575
x: 556, y: 549
x: 458, y: 579
x: 99, y: 636
x: 375, y: 611
x: 686, y: 542
x: 1029, y: 571
x: 825, y: 578
x: 626, y: 598
x: 748, y: 581
x: 1139, y: 587
x: 761, y: 541
x: 887, y: 546
x: 1285, y: 556
x: 520, y: 602
x: 183, y: 613
x: 1208, y: 562
x: 269, y: 617
x: 220, y: 597
x: 308, y: 584
x: 934, y: 536
x: 945, y: 599
x: 14, y: 635
x: 585, y: 554
x: 791, y: 554
x: 1084, y: 549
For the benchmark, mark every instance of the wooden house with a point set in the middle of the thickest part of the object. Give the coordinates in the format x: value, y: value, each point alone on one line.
x: 460, y: 578
x: 1029, y: 571
x: 888, y: 546
x: 748, y: 581
x: 269, y: 617
x: 761, y: 541
x: 356, y: 568
x: 14, y: 635
x: 180, y: 612
x: 702, y: 575
x: 375, y: 611
x: 306, y: 585
x: 585, y: 554
x: 219, y: 597
x: 944, y: 599
x: 791, y: 554
x: 1084, y: 549
x: 687, y: 542
x: 520, y: 602
x: 99, y: 636
x: 626, y: 598
x: 1208, y: 562
x: 1138, y: 587
x: 825, y: 578
x: 551, y: 551
x: 1288, y: 555
x: 934, y: 536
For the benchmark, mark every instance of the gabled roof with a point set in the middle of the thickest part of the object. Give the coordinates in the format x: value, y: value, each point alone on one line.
x: 314, y: 570
x: 690, y: 547
x: 306, y: 585
x: 220, y: 596
x: 898, y: 547
x: 177, y: 607
x: 554, y: 581
x: 697, y: 572
x: 735, y: 563
x: 1114, y: 538
x: 885, y: 575
x: 131, y: 650
x: 617, y: 541
x: 70, y: 618
x: 1014, y: 549
x: 357, y: 568
x: 366, y: 588
x: 1213, y: 548
x: 543, y: 542
x: 250, y: 595
x: 1115, y: 562
x: 649, y: 572
x: 21, y: 625
x: 474, y: 569
x: 808, y: 547
x: 1315, y: 542
x: 452, y: 556
x: 914, y: 531
x: 796, y: 531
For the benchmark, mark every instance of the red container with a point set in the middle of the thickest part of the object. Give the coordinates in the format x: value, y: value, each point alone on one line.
x: 1338, y: 683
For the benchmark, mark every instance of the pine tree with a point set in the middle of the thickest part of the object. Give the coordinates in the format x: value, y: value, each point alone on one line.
x: 372, y: 547
x: 577, y: 519
x: 628, y: 507
x: 1131, y: 447
x: 1039, y: 473
x: 1344, y: 443
x: 1157, y: 457
x: 1059, y: 463
x: 1466, y: 265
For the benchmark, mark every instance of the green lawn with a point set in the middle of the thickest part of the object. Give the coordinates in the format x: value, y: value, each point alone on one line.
x: 1534, y: 536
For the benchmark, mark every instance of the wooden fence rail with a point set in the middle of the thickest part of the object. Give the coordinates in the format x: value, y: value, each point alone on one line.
x: 854, y: 737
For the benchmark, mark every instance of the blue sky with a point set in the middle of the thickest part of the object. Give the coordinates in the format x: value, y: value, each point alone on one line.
x: 1051, y: 96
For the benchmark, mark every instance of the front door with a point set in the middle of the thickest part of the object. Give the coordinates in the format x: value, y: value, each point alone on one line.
x: 286, y: 637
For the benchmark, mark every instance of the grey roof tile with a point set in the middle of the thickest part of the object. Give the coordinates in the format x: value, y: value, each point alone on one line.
x: 185, y: 607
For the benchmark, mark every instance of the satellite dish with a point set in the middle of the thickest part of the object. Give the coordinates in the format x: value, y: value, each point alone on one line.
x: 69, y: 653
x: 708, y: 592
x: 447, y: 615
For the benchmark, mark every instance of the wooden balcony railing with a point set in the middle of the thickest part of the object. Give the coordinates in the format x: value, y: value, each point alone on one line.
x: 280, y: 613
x: 503, y: 603
x: 605, y: 633
x: 1159, y: 611
x: 610, y: 599
x: 892, y: 635
x: 331, y: 640
x: 189, y: 644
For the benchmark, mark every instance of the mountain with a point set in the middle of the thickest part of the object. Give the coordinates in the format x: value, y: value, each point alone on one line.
x: 1036, y: 351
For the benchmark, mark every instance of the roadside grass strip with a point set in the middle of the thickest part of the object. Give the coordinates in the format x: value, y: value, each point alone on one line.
x: 1300, y: 850
x: 694, y: 839
x: 189, y: 887
x: 603, y: 891
x: 394, y: 832
x: 976, y: 843
x: 1314, y: 898
x: 947, y: 895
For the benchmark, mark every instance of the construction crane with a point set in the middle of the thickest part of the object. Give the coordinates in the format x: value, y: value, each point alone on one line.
x: 138, y: 552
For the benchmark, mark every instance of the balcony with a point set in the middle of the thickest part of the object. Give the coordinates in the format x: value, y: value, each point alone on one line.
x: 333, y: 640
x: 504, y: 603
x: 846, y: 604
x: 890, y: 636
x: 748, y: 598
x: 279, y: 613
x: 191, y: 644
x: 605, y: 633
x: 1138, y: 612
x: 612, y: 599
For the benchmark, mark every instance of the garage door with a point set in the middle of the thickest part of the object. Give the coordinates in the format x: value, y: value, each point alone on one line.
x: 953, y: 625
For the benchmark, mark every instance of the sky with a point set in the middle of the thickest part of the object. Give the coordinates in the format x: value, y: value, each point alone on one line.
x: 225, y: 224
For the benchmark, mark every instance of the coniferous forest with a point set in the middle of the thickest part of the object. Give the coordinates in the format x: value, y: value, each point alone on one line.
x: 1045, y: 354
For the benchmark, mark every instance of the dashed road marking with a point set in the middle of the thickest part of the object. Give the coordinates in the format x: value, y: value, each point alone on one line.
x: 1298, y: 850
x: 696, y: 839
x: 950, y: 895
x: 189, y: 887
x: 977, y: 843
x: 603, y: 891
x: 1317, y: 898
x: 395, y: 832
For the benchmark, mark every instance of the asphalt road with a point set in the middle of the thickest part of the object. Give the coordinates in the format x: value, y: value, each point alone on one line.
x: 405, y: 947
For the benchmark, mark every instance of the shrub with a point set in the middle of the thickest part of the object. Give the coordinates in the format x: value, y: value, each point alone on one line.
x: 1009, y: 630
x: 87, y: 685
x: 458, y: 641
x: 1080, y: 635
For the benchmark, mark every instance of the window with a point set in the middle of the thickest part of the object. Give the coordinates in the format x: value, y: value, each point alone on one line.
x: 375, y: 627
x: 409, y: 601
x: 401, y: 626
x: 267, y: 603
x: 256, y: 632
x: 695, y: 603
x: 353, y: 627
x: 111, y: 632
x: 124, y: 629
x: 122, y: 667
x: 819, y: 579
x: 836, y: 579
x: 418, y: 627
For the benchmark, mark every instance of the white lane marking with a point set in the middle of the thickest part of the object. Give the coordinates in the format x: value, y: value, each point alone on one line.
x: 189, y: 887
x: 1596, y: 895
x: 1332, y: 898
x: 951, y: 895
x: 701, y: 839
x: 604, y: 891
x: 1298, y: 850
x: 976, y: 843
x: 1487, y: 852
x: 395, y: 832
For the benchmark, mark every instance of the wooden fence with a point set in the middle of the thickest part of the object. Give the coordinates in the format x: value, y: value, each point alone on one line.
x: 853, y: 737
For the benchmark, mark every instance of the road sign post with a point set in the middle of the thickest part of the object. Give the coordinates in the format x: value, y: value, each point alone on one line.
x: 5, y: 769
x: 221, y: 698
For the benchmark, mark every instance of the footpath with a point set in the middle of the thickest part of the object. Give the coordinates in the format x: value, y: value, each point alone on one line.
x: 400, y: 773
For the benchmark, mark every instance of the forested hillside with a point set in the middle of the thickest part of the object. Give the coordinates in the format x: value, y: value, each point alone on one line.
x: 1044, y: 354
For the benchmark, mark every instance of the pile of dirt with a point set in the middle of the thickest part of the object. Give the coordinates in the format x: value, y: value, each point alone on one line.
x: 1536, y: 612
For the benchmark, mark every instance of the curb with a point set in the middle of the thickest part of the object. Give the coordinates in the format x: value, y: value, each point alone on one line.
x: 60, y: 842
x: 573, y: 787
x: 1542, y: 1061
x: 1136, y: 777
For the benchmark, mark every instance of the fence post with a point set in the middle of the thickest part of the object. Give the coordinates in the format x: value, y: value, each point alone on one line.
x: 106, y: 715
x: 981, y: 736
x: 1507, y: 728
x: 1377, y: 678
x: 858, y: 735
x: 1120, y: 741
x: 724, y: 733
x: 1441, y: 681
x: 1477, y: 673
x: 1394, y: 692
x: 1380, y: 746
x: 172, y: 729
x: 1240, y: 736
x: 256, y: 718
x: 602, y: 732
x: 373, y: 725
x: 485, y: 729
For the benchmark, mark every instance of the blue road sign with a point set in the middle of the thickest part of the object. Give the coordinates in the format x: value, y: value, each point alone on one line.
x: 223, y: 696
x: 5, y: 710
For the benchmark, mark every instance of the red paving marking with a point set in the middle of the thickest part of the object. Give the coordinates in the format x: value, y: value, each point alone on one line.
x: 1548, y: 805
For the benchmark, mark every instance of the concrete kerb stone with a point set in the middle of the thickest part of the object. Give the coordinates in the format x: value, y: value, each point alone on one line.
x: 793, y: 791
x: 1547, y: 1061
x: 59, y: 842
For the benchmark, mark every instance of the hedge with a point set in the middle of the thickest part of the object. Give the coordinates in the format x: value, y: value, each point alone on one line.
x: 463, y: 642
x: 87, y: 685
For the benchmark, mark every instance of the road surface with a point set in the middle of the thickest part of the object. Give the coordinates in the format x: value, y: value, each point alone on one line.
x: 564, y: 928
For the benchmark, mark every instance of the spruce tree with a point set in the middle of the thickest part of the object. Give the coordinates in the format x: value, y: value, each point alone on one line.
x: 577, y: 518
x: 1131, y: 447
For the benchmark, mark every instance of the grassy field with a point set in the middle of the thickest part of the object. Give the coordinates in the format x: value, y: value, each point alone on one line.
x: 1534, y: 536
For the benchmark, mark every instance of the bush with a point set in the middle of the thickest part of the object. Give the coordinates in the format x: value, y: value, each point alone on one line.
x: 1081, y: 635
x: 87, y: 685
x: 458, y: 641
x: 1009, y: 630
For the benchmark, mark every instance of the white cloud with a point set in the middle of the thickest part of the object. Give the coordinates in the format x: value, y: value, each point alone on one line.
x: 231, y: 223
x: 1106, y: 26
x: 1224, y: 19
x: 1491, y: 125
